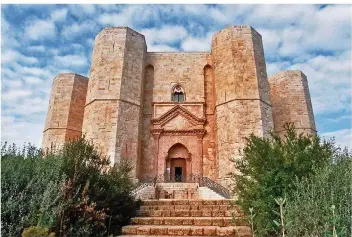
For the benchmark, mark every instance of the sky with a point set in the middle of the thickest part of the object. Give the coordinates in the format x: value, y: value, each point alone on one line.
x: 40, y: 41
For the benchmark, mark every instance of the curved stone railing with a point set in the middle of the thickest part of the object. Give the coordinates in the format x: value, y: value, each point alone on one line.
x: 206, y: 182
x: 203, y: 182
x: 140, y: 188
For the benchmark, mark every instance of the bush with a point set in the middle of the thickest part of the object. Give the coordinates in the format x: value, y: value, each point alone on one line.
x: 73, y: 193
x: 96, y: 196
x: 308, y: 211
x: 30, y: 189
x: 269, y: 168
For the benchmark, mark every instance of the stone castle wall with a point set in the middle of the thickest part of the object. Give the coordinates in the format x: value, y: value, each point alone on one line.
x: 291, y: 102
x: 126, y: 108
x: 65, y: 112
x: 241, y: 93
x: 112, y: 117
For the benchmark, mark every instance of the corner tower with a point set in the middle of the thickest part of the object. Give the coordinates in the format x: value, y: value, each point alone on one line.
x: 291, y: 102
x: 65, y: 113
x: 112, y: 118
x: 242, y: 99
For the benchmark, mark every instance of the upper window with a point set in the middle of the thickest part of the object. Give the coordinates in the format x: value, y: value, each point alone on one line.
x: 178, y: 94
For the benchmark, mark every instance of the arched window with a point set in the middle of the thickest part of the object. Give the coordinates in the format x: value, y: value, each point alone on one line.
x: 178, y: 94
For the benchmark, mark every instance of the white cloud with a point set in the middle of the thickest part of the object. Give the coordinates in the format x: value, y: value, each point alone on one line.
x: 21, y: 131
x: 15, y: 94
x: 71, y: 60
x: 78, y: 29
x: 40, y: 29
x: 132, y: 15
x: 115, y: 19
x: 82, y: 10
x: 197, y: 44
x: 343, y: 137
x: 38, y: 48
x: 32, y: 80
x: 165, y: 34
x: 59, y: 15
x: 10, y: 56
x: 161, y: 48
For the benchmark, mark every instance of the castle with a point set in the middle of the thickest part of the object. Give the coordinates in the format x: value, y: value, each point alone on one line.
x: 180, y: 115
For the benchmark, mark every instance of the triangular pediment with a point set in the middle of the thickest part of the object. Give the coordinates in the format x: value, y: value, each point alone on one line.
x: 178, y: 123
x: 180, y: 115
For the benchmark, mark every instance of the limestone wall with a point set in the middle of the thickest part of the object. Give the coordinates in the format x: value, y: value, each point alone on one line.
x: 113, y: 108
x: 241, y: 89
x: 210, y: 168
x: 291, y: 102
x: 187, y: 69
x: 163, y: 71
x: 65, y: 112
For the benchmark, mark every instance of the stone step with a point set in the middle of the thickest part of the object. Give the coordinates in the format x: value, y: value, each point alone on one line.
x: 188, y: 213
x: 169, y: 230
x: 190, y: 207
x: 207, y: 193
x: 187, y: 202
x: 196, y: 221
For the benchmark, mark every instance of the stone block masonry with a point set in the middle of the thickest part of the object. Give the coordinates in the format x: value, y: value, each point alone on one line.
x: 176, y: 116
x: 291, y: 102
x: 65, y: 113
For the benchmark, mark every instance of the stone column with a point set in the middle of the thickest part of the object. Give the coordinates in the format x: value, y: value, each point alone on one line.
x: 156, y: 135
x: 200, y: 154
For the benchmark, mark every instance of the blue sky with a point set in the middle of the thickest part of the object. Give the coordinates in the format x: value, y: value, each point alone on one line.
x: 39, y: 41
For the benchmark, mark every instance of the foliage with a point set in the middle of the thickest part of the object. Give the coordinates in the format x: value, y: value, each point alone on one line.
x: 322, y: 203
x: 36, y: 231
x: 282, y: 225
x: 30, y: 189
x: 73, y: 193
x: 268, y: 169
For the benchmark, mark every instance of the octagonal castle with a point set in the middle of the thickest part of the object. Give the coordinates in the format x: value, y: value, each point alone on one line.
x: 176, y: 115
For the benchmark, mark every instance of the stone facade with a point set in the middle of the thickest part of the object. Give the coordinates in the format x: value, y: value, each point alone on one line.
x: 176, y: 115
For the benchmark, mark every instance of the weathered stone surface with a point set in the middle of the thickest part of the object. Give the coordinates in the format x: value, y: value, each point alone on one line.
x: 127, y: 108
x: 242, y: 93
x: 65, y: 113
x: 291, y: 102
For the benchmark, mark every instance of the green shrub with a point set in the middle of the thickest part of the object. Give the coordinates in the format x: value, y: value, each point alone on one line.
x: 73, y: 193
x: 96, y: 196
x: 269, y: 168
x: 30, y: 189
x: 309, y: 209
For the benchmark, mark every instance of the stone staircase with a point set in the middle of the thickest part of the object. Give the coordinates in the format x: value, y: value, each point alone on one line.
x: 208, y: 194
x: 186, y: 218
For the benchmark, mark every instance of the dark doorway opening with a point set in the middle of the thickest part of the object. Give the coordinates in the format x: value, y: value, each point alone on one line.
x: 178, y: 174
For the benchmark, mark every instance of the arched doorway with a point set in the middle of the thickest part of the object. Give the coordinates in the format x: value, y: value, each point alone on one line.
x: 177, y: 163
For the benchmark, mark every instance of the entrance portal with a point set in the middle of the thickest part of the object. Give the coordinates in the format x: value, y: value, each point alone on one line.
x: 177, y: 164
x: 178, y: 174
x: 178, y: 169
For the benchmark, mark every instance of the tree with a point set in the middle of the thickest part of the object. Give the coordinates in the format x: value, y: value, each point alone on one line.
x: 270, y: 166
